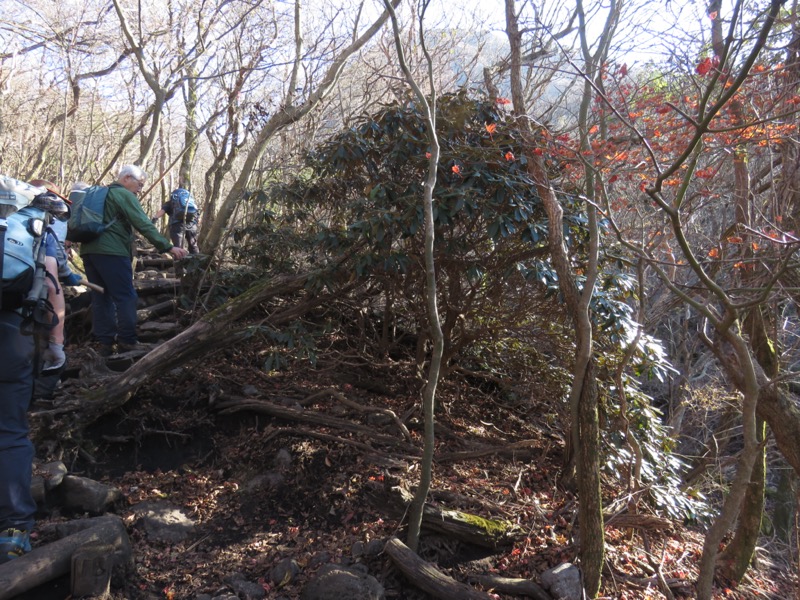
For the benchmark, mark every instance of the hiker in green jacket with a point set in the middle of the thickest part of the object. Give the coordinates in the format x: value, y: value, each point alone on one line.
x: 107, y: 261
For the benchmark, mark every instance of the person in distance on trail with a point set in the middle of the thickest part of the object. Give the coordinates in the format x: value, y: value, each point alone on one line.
x: 47, y: 378
x: 182, y: 221
x: 78, y: 189
x: 59, y: 228
x: 107, y: 261
x: 17, y: 368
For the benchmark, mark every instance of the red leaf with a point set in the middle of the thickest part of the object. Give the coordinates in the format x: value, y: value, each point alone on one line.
x: 704, y: 66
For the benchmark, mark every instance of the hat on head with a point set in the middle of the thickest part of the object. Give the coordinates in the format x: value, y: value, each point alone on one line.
x: 53, y: 203
x: 50, y: 187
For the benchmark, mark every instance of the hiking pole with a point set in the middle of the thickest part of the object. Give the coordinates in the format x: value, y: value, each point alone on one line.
x: 85, y: 282
x: 92, y: 286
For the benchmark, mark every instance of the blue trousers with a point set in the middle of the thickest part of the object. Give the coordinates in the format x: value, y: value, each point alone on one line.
x: 17, y: 507
x: 113, y: 312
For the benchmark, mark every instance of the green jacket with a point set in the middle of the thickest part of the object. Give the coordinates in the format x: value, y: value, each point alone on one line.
x: 118, y: 239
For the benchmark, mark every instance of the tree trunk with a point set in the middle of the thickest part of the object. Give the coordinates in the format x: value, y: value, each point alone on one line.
x: 583, y: 395
x: 737, y: 556
x: 432, y: 309
x: 742, y: 362
x: 590, y: 507
x: 785, y: 505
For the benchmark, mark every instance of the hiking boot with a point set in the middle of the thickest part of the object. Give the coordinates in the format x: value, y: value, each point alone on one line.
x: 13, y: 544
x: 138, y: 346
x: 105, y: 350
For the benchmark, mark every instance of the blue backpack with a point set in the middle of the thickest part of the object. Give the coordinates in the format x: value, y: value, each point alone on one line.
x: 22, y: 230
x: 184, y: 208
x: 23, y: 253
x: 86, y: 220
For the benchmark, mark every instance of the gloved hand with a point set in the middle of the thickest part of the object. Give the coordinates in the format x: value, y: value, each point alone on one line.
x: 53, y: 358
x: 72, y: 279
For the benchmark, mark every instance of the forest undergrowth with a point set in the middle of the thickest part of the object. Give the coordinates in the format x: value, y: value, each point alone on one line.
x: 262, y: 490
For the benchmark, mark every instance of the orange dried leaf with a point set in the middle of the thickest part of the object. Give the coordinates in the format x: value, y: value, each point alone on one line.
x: 491, y: 128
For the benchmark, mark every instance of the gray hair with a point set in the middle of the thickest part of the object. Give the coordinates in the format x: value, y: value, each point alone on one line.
x: 132, y: 170
x: 80, y: 185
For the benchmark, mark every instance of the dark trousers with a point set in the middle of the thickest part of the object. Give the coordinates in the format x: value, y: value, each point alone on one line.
x: 113, y: 312
x: 17, y: 507
x: 184, y: 231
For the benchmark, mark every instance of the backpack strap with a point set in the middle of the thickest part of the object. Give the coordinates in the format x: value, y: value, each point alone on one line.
x: 3, y: 229
x: 38, y: 311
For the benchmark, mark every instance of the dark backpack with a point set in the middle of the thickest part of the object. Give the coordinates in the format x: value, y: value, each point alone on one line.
x: 86, y: 220
x: 184, y: 209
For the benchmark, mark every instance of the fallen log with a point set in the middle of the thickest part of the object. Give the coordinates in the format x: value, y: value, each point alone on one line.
x: 53, y: 560
x: 638, y: 521
x: 508, y: 585
x: 231, y: 404
x: 427, y: 577
x: 463, y: 526
x: 162, y: 264
x: 148, y: 287
x: 523, y: 449
x: 212, y: 332
x: 157, y: 310
x: 360, y: 407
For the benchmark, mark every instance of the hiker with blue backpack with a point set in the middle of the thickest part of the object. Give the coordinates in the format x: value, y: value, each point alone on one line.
x: 183, y: 216
x: 31, y: 335
x: 108, y: 252
x: 47, y: 379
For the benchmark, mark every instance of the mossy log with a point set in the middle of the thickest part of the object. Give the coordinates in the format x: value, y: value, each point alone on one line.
x: 463, y: 526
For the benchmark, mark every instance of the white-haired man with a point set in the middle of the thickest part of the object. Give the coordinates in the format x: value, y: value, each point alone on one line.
x: 108, y: 262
